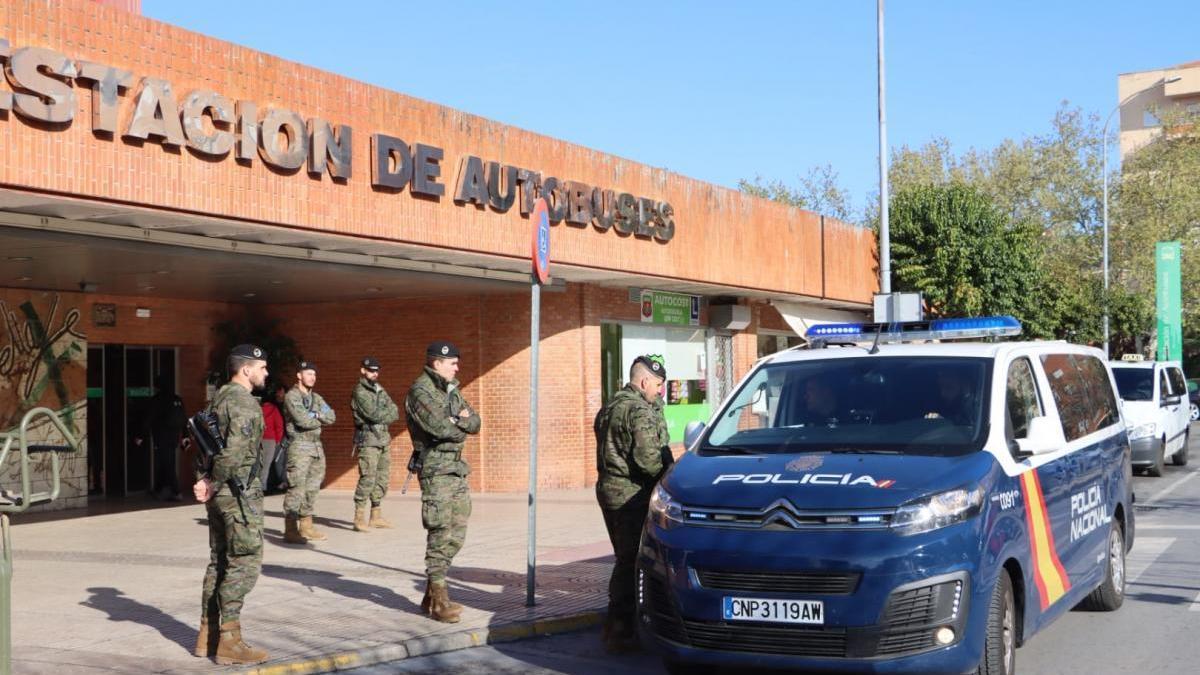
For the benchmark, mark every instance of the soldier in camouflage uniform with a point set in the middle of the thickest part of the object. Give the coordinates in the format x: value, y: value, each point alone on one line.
x: 373, y: 412
x: 632, y: 454
x: 306, y: 412
x: 439, y: 421
x: 233, y: 502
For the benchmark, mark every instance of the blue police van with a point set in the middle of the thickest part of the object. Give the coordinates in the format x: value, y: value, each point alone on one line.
x: 890, y: 501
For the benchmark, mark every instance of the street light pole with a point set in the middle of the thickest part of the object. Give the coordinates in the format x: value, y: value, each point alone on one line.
x: 1104, y: 153
x: 885, y: 242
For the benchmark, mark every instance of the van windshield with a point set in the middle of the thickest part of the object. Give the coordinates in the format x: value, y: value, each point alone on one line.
x: 1135, y: 384
x: 917, y: 405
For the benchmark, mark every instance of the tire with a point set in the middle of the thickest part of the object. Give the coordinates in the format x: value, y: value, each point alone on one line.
x: 1180, y: 458
x: 1000, y: 643
x: 1195, y: 412
x: 1156, y: 469
x: 1110, y: 594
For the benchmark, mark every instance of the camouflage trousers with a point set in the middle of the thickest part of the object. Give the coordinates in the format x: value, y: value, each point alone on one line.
x: 305, y: 472
x: 625, y: 532
x: 374, y: 472
x: 235, y: 552
x: 445, y: 508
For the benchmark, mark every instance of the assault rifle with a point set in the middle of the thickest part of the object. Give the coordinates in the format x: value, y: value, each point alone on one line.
x: 206, y: 434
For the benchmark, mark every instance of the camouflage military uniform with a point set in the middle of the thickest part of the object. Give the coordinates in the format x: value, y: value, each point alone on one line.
x: 234, y: 528
x: 373, y: 412
x: 305, y: 414
x: 432, y: 406
x: 632, y: 452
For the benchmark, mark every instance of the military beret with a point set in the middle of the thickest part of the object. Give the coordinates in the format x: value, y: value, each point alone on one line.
x: 370, y: 363
x: 441, y: 349
x: 306, y: 365
x: 248, y: 352
x: 655, y: 367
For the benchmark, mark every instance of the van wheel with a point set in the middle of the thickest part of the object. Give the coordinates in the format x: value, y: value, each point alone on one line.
x: 1000, y: 643
x: 1109, y: 595
x: 1180, y: 457
x: 1156, y: 469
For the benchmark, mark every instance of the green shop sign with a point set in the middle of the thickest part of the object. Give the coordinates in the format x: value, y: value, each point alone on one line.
x: 675, y: 309
x: 1168, y: 301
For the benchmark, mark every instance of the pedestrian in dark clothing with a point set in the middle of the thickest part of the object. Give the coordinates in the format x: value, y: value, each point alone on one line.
x: 164, y: 425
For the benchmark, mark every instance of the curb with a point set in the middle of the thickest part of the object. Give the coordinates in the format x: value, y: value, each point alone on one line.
x: 434, y: 644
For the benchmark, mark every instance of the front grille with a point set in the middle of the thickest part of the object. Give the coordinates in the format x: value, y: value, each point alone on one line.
x: 657, y: 605
x: 823, y: 642
x: 807, y: 583
x: 783, y: 515
x: 917, y: 607
x: 899, y: 643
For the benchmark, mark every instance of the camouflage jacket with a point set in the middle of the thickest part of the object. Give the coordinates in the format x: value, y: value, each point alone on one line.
x: 632, y: 448
x: 305, y: 416
x: 431, y: 411
x: 240, y: 419
x: 373, y: 411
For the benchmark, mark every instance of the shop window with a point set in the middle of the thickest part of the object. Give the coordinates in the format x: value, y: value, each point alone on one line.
x: 683, y: 351
x: 769, y: 343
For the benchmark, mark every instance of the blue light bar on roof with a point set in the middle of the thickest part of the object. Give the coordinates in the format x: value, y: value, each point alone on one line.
x: 911, y: 331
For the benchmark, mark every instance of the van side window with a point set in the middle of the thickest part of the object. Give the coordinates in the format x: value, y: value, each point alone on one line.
x: 1070, y: 397
x: 1164, y: 386
x: 1178, y: 385
x: 1104, y: 404
x: 1021, y: 398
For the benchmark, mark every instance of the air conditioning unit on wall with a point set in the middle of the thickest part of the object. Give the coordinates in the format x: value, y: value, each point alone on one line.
x: 729, y: 317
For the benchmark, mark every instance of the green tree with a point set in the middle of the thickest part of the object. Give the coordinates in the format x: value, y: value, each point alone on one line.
x: 818, y: 190
x: 953, y: 244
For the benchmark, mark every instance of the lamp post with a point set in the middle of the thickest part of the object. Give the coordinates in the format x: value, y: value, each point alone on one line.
x: 1104, y: 154
x: 885, y: 239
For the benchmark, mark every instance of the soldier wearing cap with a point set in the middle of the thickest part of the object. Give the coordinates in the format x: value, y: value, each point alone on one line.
x: 306, y: 412
x: 439, y: 421
x: 632, y: 453
x: 233, y: 500
x: 373, y: 411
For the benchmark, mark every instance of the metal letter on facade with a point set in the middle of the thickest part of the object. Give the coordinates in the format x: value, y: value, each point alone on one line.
x: 556, y: 199
x: 627, y: 214
x: 579, y: 203
x: 385, y: 149
x: 426, y: 170
x: 247, y: 133
x: 107, y: 83
x: 272, y: 148
x: 472, y: 185
x: 501, y: 186
x: 666, y: 228
x: 604, y: 204
x: 42, y: 72
x: 529, y: 182
x: 646, y: 215
x: 220, y: 109
x: 329, y: 148
x: 155, y: 114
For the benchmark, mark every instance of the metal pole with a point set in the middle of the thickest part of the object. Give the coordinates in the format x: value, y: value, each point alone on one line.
x: 1104, y: 151
x: 5, y: 597
x: 535, y: 315
x: 885, y: 241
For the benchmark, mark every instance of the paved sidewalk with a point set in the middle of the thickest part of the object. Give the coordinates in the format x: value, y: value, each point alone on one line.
x: 120, y: 592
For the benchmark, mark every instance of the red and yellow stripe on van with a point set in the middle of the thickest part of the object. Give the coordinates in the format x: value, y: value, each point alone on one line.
x: 1048, y: 573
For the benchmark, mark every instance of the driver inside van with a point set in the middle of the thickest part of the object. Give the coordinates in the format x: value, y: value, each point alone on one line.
x: 820, y: 403
x: 954, y: 398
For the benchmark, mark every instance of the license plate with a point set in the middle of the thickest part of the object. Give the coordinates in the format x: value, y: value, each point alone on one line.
x: 773, y: 610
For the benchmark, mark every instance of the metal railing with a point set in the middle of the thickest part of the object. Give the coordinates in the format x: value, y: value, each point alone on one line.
x: 16, y: 502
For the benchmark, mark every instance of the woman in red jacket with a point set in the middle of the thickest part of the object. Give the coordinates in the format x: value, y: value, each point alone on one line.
x: 273, y: 431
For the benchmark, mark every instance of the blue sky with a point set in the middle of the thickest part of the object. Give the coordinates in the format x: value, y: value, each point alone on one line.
x: 720, y: 90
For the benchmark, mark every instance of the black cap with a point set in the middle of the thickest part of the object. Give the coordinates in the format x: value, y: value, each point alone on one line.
x: 248, y: 352
x: 306, y: 365
x: 370, y: 363
x: 441, y: 349
x: 655, y: 367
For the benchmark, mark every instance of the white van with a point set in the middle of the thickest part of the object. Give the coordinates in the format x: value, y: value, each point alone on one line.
x: 1157, y: 412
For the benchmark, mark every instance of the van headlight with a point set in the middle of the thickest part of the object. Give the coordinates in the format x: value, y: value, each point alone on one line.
x: 1142, y: 431
x: 940, y: 510
x: 664, y: 510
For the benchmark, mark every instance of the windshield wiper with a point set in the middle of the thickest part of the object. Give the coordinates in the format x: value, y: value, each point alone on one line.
x: 863, y: 451
x: 730, y: 450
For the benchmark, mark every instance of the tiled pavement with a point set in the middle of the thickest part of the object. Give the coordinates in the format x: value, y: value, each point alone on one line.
x: 119, y: 592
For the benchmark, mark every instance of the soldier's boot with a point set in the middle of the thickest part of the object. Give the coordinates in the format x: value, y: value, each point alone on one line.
x: 377, y: 519
x: 291, y: 532
x: 360, y: 519
x: 450, y: 604
x: 308, y: 531
x: 206, y: 640
x: 439, y: 608
x: 232, y: 651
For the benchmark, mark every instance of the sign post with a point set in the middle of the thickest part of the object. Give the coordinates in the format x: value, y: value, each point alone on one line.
x: 1168, y: 297
x: 540, y: 219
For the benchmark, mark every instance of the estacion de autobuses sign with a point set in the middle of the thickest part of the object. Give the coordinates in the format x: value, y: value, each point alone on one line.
x: 44, y: 84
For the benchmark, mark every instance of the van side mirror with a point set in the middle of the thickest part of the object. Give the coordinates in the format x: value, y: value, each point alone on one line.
x: 1168, y: 401
x: 692, y: 433
x: 1043, y: 436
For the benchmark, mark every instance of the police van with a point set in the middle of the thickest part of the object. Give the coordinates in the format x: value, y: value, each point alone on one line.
x: 887, y: 501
